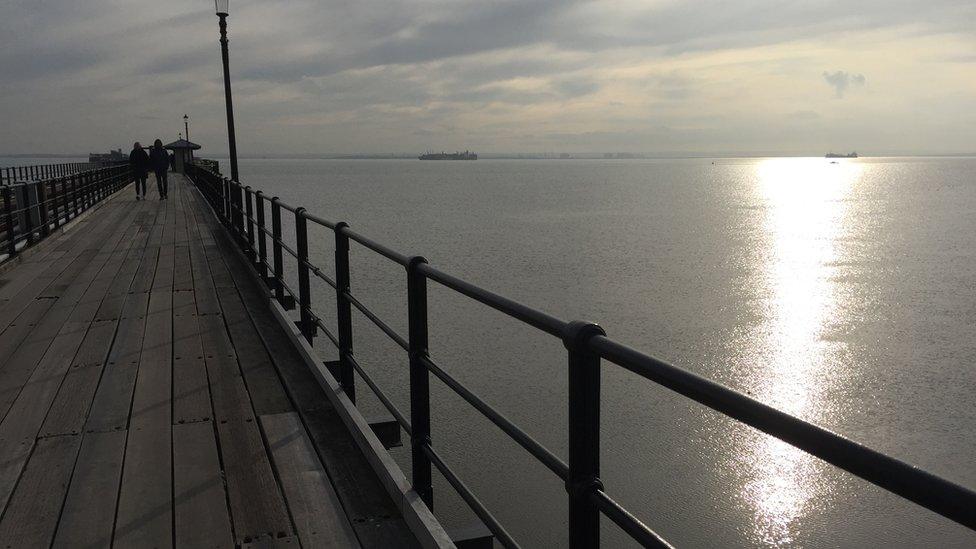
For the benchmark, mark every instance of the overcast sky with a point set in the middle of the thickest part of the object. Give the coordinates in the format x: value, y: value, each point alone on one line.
x: 310, y: 76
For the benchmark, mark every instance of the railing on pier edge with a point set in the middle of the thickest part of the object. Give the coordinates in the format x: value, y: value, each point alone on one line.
x: 33, y: 210
x: 243, y: 211
x: 39, y: 172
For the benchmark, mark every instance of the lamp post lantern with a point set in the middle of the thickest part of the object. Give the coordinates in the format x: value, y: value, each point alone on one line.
x: 221, y: 7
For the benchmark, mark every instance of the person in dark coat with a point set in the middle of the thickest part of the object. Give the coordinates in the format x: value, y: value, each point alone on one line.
x: 139, y: 162
x: 159, y: 161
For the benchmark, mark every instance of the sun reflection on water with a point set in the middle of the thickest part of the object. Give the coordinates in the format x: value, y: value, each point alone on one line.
x: 805, y: 205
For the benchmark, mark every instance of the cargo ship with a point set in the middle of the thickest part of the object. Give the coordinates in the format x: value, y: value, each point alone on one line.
x: 848, y: 155
x: 466, y: 155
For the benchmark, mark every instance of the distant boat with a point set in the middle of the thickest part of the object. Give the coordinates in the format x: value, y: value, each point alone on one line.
x: 466, y: 155
x: 836, y: 155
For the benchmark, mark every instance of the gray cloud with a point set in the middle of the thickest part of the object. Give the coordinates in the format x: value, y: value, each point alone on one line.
x: 841, y: 81
x: 347, y: 74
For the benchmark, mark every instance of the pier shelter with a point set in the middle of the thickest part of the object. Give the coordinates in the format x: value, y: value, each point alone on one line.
x: 183, y: 150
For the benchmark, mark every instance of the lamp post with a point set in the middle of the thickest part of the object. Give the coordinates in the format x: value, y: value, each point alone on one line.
x: 186, y: 126
x: 221, y: 7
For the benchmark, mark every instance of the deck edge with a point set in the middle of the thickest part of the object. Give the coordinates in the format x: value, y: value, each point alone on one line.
x: 419, y: 519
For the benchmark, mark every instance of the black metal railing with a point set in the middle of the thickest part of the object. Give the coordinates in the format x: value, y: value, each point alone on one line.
x: 31, y: 211
x: 40, y: 172
x: 587, y: 347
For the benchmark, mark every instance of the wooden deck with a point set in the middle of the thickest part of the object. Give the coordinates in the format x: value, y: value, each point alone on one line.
x: 149, y: 398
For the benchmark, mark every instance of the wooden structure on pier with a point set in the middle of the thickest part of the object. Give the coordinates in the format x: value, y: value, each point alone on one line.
x: 141, y: 406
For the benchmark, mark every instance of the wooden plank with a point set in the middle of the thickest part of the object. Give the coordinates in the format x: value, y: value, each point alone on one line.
x: 263, y: 384
x: 21, y: 329
x: 27, y: 412
x: 152, y: 401
x: 70, y: 408
x: 191, y: 391
x: 373, y: 514
x: 201, y: 515
x: 143, y: 280
x: 136, y: 305
x: 145, y: 511
x: 256, y: 504
x: 89, y: 508
x: 113, y: 399
x: 32, y: 514
x: 206, y: 299
x: 315, y: 508
x: 182, y: 273
x: 145, y: 498
x: 184, y: 304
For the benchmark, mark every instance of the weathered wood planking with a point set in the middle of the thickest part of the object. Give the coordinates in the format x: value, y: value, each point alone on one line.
x: 145, y: 498
x: 312, y: 501
x: 202, y: 518
x: 33, y: 512
x: 373, y: 514
x: 70, y: 408
x: 267, y: 395
x: 89, y: 508
x: 143, y: 353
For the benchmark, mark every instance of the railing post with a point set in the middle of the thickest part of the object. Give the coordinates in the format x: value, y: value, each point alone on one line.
x: 42, y: 208
x: 74, y: 194
x: 56, y: 199
x: 419, y: 381
x: 8, y: 210
x: 249, y: 210
x: 584, y: 435
x: 86, y: 190
x: 304, y: 299
x: 344, y: 311
x: 262, y: 237
x: 228, y: 210
x: 25, y: 208
x: 279, y: 289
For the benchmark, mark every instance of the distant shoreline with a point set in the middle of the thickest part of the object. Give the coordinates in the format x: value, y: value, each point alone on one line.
x: 523, y: 156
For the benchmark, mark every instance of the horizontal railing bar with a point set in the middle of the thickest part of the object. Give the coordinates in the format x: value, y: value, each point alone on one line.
x: 514, y: 309
x: 288, y: 249
x: 388, y: 253
x: 479, y: 508
x: 397, y: 414
x: 540, y: 452
x: 946, y: 498
x: 320, y: 273
x: 324, y: 328
x: 397, y: 338
x: 320, y: 221
x: 626, y: 521
x: 288, y: 207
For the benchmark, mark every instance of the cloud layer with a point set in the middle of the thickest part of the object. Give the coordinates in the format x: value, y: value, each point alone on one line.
x: 545, y: 75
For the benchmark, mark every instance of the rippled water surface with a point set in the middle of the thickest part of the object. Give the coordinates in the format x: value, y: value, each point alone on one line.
x: 840, y: 292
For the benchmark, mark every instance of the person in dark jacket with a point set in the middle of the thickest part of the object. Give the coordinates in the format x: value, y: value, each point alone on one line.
x: 159, y: 161
x: 139, y: 162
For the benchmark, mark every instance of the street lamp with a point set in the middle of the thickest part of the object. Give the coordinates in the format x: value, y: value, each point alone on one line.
x: 221, y: 7
x: 186, y: 126
x: 237, y: 200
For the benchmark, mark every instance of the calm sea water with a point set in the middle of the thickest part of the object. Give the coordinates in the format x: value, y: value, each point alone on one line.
x: 841, y: 293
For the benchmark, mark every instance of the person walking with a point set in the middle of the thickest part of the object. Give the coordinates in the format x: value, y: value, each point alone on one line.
x: 139, y: 162
x: 159, y: 160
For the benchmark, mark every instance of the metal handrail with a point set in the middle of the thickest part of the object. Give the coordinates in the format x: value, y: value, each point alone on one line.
x: 37, y: 172
x: 33, y: 209
x: 587, y: 346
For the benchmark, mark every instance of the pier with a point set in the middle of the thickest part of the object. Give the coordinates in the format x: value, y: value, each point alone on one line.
x: 140, y: 404
x: 159, y: 385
